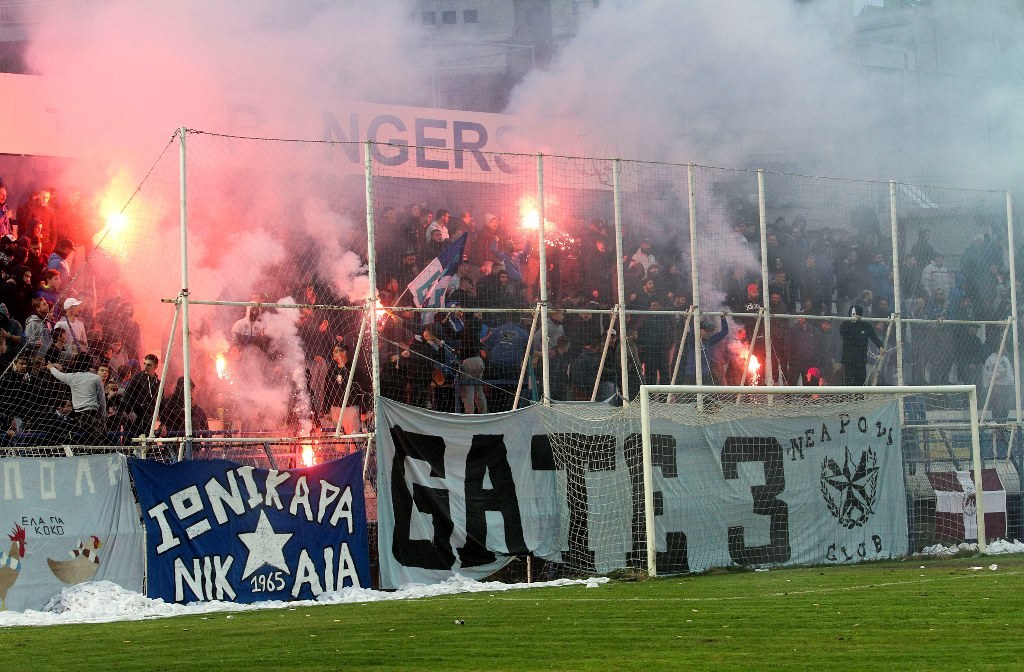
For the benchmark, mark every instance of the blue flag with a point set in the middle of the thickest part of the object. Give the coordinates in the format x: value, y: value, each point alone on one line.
x: 218, y: 530
x: 429, y: 286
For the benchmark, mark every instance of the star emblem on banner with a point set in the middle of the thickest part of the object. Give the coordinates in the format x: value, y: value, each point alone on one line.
x: 266, y: 547
x: 849, y: 491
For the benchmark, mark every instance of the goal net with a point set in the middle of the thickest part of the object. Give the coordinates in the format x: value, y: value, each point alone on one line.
x: 757, y: 477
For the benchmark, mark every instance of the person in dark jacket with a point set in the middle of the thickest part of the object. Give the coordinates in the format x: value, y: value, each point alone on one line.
x: 855, y: 336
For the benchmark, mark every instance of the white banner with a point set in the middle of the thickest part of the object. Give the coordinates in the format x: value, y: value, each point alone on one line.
x: 462, y: 494
x: 67, y: 520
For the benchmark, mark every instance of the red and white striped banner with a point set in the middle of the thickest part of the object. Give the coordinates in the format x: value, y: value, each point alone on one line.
x: 956, y: 510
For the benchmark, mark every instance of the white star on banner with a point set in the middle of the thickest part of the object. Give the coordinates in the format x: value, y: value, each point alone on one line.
x: 266, y: 547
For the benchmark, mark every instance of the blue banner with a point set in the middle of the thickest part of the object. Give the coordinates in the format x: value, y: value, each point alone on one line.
x: 217, y: 530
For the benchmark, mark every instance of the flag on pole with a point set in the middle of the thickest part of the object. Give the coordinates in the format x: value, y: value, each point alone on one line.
x: 428, y: 287
x: 956, y: 512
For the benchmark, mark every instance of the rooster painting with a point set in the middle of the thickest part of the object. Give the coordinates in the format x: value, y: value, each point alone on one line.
x: 10, y: 563
x: 82, y: 566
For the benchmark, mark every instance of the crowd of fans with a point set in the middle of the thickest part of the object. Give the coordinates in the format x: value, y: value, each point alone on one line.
x: 72, y: 368
x: 816, y: 280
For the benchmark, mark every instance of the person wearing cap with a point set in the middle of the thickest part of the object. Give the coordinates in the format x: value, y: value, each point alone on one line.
x: 77, y: 341
x: 855, y: 336
x: 88, y: 399
x: 409, y: 268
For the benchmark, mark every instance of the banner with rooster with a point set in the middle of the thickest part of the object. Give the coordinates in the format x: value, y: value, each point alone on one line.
x: 218, y: 530
x: 68, y: 520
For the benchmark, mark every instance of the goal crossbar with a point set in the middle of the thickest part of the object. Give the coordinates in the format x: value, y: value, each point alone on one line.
x: 646, y: 391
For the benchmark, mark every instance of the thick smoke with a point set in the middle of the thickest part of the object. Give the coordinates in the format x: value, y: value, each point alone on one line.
x: 258, y: 227
x: 782, y: 83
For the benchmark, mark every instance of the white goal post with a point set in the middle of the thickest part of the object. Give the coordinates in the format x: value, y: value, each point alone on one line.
x: 705, y: 405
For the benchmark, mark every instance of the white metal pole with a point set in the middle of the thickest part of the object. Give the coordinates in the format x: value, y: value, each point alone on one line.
x: 698, y: 363
x: 353, y: 363
x: 750, y: 349
x: 1013, y: 304
x: 763, y: 217
x: 604, y: 355
x: 682, y: 342
x: 542, y: 256
x: 621, y: 277
x: 995, y: 369
x: 186, y: 352
x: 163, y: 375
x: 897, y: 303
x: 645, y: 443
x: 371, y: 269
x: 526, y: 357
x: 979, y: 491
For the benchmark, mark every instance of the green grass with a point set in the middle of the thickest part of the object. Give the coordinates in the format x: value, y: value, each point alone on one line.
x: 876, y: 616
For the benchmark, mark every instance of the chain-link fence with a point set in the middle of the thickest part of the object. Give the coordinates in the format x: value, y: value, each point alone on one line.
x: 498, y: 280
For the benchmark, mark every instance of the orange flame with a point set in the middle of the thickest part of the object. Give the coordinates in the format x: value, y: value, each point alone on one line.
x: 308, y: 456
x: 753, y: 365
x: 529, y: 214
x: 221, y: 364
x: 382, y: 313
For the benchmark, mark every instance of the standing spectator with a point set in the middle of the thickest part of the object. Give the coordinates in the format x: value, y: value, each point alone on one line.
x: 559, y: 359
x: 6, y: 225
x: 338, y: 373
x: 471, y: 381
x: 50, y: 286
x: 75, y: 224
x: 802, y: 342
x: 936, y: 276
x: 910, y: 277
x: 37, y: 207
x: 856, y: 335
x: 72, y: 321
x: 598, y: 273
x: 923, y: 249
x: 140, y: 398
x: 88, y: 400
x: 506, y: 349
x: 644, y: 256
x: 440, y: 223
x: 60, y: 259
x: 37, y: 333
x: 18, y: 293
x: 709, y: 340
x: 172, y: 411
x: 35, y: 261
x: 828, y: 353
x: 998, y: 375
x: 479, y: 250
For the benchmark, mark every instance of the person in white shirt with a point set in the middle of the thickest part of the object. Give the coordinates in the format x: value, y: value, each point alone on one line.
x: 643, y: 255
x: 77, y: 341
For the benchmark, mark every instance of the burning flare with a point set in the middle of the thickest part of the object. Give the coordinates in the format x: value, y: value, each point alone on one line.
x: 221, y: 364
x: 308, y: 456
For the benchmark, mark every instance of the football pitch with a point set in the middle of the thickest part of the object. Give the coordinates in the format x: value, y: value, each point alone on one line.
x: 917, y: 614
